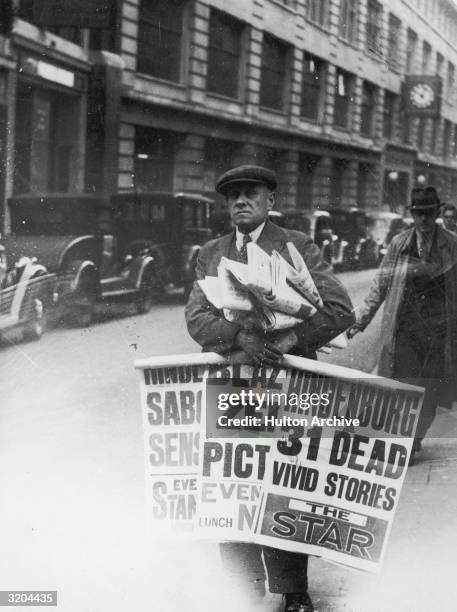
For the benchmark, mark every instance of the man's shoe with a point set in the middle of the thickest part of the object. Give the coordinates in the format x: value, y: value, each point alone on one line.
x: 298, y: 602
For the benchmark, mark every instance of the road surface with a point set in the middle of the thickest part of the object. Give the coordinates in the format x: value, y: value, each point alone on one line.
x: 71, y: 476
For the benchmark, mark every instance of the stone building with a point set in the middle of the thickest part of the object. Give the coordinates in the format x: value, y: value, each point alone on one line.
x: 311, y: 88
x: 176, y: 91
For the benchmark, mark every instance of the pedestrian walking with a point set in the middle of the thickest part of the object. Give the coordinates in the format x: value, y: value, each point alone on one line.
x: 417, y: 283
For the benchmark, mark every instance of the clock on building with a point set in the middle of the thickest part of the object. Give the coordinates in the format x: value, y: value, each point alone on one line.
x: 422, y: 95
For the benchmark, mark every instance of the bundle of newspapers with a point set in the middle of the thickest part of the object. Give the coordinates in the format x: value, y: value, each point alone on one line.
x: 267, y: 292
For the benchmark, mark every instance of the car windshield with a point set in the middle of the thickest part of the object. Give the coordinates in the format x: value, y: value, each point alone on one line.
x: 342, y: 223
x: 194, y: 214
x: 323, y: 224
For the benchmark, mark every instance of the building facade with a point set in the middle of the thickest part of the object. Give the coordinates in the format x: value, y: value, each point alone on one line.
x: 177, y: 91
x: 311, y: 88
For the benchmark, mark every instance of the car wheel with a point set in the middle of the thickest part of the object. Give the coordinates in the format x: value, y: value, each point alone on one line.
x: 144, y: 302
x: 145, y: 297
x: 34, y: 329
x: 84, y: 311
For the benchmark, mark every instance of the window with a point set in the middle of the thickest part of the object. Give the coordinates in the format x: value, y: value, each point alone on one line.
x: 426, y: 56
x: 6, y: 17
x: 393, y: 46
x: 411, y: 45
x: 316, y: 10
x: 25, y: 10
x: 160, y: 38
x: 154, y: 159
x: 439, y: 63
x: 447, y: 128
x: 348, y: 20
x: 374, y: 21
x: 342, y: 98
x: 450, y: 78
x: 363, y: 176
x: 273, y: 77
x: 368, y: 107
x: 305, y: 180
x: 390, y: 107
x: 337, y: 181
x: 421, y: 133
x: 313, y: 72
x: 406, y: 123
x: 435, y: 134
x: 218, y: 158
x: 225, y: 35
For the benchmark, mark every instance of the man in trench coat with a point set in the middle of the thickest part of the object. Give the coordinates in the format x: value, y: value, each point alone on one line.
x: 417, y: 282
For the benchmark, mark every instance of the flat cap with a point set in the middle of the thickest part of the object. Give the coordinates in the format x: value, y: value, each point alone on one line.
x: 423, y: 198
x: 246, y: 174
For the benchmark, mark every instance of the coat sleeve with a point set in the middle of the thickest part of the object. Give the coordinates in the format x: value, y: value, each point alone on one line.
x: 378, y: 290
x: 336, y: 315
x: 205, y: 323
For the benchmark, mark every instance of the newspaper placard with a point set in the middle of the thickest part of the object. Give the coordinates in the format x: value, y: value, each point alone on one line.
x: 332, y: 487
x: 308, y: 457
x: 171, y: 399
x: 232, y: 467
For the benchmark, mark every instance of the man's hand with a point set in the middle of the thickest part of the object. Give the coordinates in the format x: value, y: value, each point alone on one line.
x: 257, y: 347
x: 354, y: 330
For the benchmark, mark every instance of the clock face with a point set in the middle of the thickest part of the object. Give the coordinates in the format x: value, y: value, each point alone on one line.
x: 422, y: 95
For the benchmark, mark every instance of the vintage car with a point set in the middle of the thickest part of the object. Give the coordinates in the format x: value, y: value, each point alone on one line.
x: 315, y: 223
x: 382, y: 227
x: 24, y: 298
x: 354, y: 247
x: 87, y: 248
x: 175, y: 224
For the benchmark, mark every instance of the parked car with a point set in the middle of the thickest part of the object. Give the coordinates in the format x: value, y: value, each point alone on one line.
x: 24, y: 297
x: 88, y: 250
x: 177, y: 224
x: 315, y: 223
x: 382, y: 227
x: 354, y: 247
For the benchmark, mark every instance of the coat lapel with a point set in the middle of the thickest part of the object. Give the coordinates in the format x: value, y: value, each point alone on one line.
x: 272, y: 239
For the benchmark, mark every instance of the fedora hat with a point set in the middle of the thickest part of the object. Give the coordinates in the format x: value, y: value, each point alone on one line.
x: 424, y: 198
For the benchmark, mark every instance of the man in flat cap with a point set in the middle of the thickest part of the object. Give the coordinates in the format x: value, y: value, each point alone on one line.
x: 417, y: 282
x: 249, y: 192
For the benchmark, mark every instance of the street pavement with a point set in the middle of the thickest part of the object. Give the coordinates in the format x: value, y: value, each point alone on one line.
x: 72, y: 487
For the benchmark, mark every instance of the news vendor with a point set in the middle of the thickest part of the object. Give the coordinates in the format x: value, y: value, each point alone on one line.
x: 250, y: 193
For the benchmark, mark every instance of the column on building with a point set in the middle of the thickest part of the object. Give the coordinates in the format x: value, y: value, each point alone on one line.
x: 253, y: 72
x: 126, y: 175
x: 189, y: 155
x: 104, y: 108
x: 198, y: 52
x: 287, y: 180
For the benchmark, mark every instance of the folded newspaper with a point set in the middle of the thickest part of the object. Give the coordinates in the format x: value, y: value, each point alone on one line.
x: 267, y: 292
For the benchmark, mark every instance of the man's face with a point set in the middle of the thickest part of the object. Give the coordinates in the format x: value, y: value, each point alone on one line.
x: 248, y: 204
x: 424, y: 220
x: 449, y: 220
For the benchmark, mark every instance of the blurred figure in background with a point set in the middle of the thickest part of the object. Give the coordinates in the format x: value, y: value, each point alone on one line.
x: 449, y: 215
x: 417, y: 282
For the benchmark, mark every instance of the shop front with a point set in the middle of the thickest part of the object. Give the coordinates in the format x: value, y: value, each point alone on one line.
x: 51, y: 102
x: 398, y: 177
